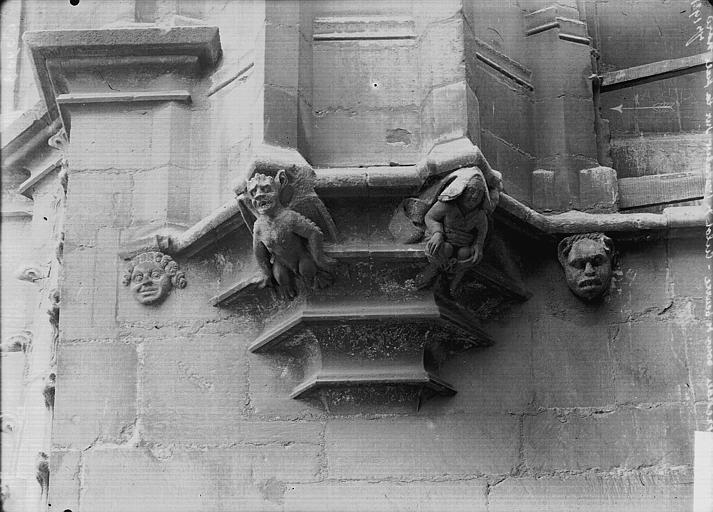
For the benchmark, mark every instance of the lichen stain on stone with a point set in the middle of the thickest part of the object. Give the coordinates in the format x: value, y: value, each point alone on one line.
x: 398, y: 136
x: 273, y: 490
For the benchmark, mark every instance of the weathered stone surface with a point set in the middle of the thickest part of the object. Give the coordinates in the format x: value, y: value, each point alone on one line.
x: 90, y: 312
x: 544, y: 190
x: 444, y: 115
x: 657, y: 154
x: 272, y: 379
x: 642, y: 287
x: 642, y: 374
x: 498, y: 378
x: 599, y: 439
x: 65, y: 477
x: 441, y: 54
x: 386, y: 497
x: 95, y: 200
x: 95, y: 145
x: 95, y: 399
x: 651, y: 492
x: 280, y: 116
x: 516, y: 165
x: 216, y: 479
x: 193, y: 389
x: 688, y: 266
x: 368, y: 134
x: 499, y: 104
x: 571, y: 363
x: 692, y: 332
x: 421, y: 447
x: 598, y: 189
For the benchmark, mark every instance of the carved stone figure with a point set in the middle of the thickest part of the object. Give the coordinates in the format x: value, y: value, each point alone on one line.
x: 452, y: 215
x: 287, y: 243
x: 587, y: 263
x: 152, y: 275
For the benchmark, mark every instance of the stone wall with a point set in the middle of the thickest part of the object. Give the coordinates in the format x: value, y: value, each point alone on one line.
x: 576, y: 406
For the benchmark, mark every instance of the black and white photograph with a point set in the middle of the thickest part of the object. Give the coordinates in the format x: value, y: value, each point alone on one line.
x: 356, y: 255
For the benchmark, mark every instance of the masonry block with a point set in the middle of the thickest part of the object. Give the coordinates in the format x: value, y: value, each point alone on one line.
x: 376, y: 137
x: 330, y: 496
x: 280, y: 116
x: 215, y: 479
x: 500, y: 103
x: 161, y: 196
x: 515, y: 164
x: 642, y: 287
x: 621, y: 439
x: 598, y: 189
x: 473, y: 109
x: 272, y: 379
x: 668, y: 492
x: 201, y: 377
x: 89, y: 287
x: 688, y: 266
x: 95, y: 399
x: 571, y: 363
x: 544, y: 190
x: 444, y: 115
x: 558, y: 66
x: 65, y: 468
x: 94, y: 200
x: 693, y: 332
x: 441, y: 53
x: 421, y: 447
x: 498, y: 379
x: 643, y: 374
x: 357, y: 75
x: 96, y: 144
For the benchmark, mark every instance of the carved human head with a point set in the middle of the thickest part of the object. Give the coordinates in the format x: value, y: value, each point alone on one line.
x: 467, y: 187
x: 587, y: 263
x: 152, y: 275
x: 264, y: 191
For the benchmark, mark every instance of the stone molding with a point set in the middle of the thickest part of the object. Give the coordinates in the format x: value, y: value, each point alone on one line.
x: 560, y: 18
x: 114, y: 46
x: 331, y: 334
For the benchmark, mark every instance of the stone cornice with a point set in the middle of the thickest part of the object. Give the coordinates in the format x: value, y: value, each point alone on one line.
x: 402, y: 180
x: 126, y: 43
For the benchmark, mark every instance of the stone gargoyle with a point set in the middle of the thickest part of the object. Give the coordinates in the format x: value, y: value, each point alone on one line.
x: 453, y: 216
x: 288, y: 223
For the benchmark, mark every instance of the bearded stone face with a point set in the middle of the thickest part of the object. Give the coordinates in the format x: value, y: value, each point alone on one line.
x: 263, y: 193
x: 588, y: 268
x: 150, y: 283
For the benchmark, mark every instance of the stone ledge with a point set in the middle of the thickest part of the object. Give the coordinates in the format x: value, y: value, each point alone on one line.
x: 394, y: 253
x: 197, y: 41
x: 346, y: 344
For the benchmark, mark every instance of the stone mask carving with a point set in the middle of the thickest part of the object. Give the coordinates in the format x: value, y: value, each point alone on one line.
x: 587, y: 263
x: 151, y: 276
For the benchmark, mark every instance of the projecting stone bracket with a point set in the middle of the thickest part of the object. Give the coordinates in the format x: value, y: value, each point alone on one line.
x: 344, y: 344
x: 374, y: 328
